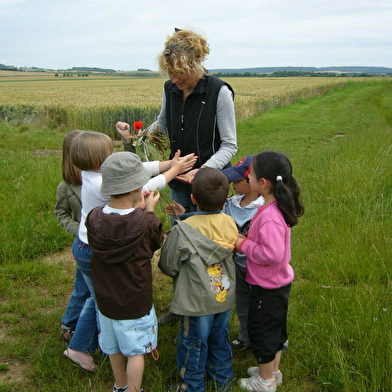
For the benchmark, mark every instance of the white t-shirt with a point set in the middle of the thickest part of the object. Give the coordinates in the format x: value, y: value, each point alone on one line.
x: 122, y: 211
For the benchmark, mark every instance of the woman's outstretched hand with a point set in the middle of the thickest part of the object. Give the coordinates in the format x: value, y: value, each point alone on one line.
x: 187, y: 177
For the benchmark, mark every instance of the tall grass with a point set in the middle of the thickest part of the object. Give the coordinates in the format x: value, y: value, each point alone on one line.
x: 29, y: 176
x: 340, y: 320
x: 340, y: 317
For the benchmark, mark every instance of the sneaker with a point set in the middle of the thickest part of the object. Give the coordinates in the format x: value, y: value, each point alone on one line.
x: 254, y: 370
x: 118, y: 389
x: 239, y: 345
x: 257, y: 384
x: 67, y: 333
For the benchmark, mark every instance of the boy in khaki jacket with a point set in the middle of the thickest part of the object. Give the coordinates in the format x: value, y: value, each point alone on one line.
x: 198, y: 254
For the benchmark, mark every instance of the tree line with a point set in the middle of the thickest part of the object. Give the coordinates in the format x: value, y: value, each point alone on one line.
x: 285, y: 74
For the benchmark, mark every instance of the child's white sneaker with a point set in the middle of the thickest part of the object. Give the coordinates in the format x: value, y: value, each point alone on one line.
x: 252, y: 371
x: 257, y: 384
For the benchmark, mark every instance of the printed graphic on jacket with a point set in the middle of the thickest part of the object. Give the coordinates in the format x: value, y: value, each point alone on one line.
x: 219, y: 282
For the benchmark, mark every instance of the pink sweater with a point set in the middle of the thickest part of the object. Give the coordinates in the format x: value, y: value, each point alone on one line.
x: 267, y: 249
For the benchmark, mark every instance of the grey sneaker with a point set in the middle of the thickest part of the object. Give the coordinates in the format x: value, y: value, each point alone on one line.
x: 257, y: 384
x: 254, y: 370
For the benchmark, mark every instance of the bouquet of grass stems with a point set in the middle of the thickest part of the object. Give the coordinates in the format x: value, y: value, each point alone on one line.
x: 151, y: 146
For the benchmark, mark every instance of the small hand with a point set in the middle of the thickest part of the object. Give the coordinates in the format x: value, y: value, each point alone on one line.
x: 152, y: 200
x: 174, y: 208
x: 123, y: 129
x: 188, y: 160
x: 239, y: 240
x: 183, y: 164
x: 141, y: 203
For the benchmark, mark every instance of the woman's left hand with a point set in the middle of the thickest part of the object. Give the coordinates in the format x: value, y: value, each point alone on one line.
x: 187, y: 177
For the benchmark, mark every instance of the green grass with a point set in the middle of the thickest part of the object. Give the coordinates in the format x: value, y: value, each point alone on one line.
x: 340, y: 322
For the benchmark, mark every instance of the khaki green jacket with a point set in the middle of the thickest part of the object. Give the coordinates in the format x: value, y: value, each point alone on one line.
x: 68, y: 207
x: 203, y: 269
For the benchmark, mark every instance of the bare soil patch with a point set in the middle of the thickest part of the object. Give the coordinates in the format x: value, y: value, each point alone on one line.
x: 16, y: 372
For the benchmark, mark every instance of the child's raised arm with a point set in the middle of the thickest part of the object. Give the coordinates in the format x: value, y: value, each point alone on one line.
x: 189, y: 159
x: 174, y: 167
x: 179, y: 165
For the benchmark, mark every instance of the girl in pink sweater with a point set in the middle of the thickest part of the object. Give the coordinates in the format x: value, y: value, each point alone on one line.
x: 269, y: 273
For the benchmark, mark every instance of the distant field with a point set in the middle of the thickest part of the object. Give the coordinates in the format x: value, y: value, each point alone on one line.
x: 23, y: 75
x: 252, y: 95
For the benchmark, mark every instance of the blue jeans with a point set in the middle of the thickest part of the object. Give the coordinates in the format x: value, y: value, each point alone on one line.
x: 76, y: 302
x: 204, y: 349
x: 85, y: 338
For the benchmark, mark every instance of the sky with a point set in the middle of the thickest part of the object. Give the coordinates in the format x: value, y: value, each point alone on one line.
x: 129, y: 34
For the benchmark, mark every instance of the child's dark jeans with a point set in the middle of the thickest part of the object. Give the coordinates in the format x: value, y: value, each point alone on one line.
x: 204, y: 349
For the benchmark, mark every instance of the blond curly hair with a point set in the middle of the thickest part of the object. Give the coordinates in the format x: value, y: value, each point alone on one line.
x: 184, y: 52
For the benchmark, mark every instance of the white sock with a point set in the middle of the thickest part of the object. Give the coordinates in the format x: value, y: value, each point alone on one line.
x: 267, y: 382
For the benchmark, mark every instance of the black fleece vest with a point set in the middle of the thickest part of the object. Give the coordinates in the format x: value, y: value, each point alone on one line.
x: 193, y: 127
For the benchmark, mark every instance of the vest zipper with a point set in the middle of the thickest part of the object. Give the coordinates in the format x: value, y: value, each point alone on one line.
x: 197, y: 130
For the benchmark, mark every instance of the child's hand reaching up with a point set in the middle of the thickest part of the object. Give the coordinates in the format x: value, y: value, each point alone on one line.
x: 183, y: 164
x: 177, y: 165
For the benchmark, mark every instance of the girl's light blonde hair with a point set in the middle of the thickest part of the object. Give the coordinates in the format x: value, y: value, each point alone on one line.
x: 71, y: 174
x: 90, y: 149
x: 184, y: 52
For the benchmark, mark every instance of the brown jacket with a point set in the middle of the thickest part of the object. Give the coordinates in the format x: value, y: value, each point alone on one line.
x: 123, y: 246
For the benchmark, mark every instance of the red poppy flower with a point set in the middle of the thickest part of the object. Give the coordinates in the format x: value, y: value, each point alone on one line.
x: 137, y: 125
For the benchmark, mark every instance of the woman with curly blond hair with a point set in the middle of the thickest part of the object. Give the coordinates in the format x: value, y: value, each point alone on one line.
x: 198, y: 115
x: 197, y: 110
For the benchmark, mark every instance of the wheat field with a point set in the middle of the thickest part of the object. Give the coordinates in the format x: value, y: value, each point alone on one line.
x: 252, y: 95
